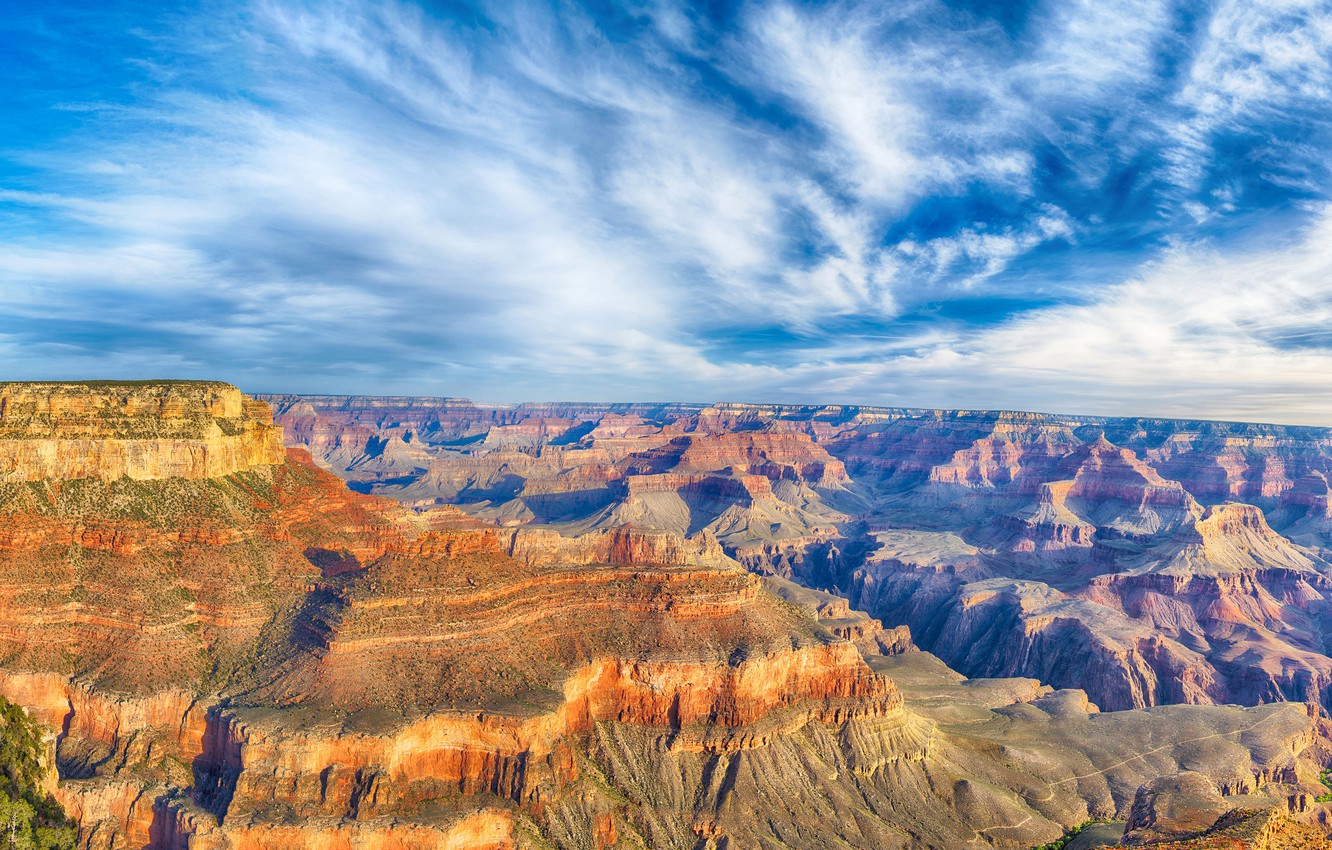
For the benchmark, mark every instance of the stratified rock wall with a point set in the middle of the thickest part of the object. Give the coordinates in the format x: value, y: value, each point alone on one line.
x: 145, y: 432
x: 1181, y: 561
x: 564, y: 643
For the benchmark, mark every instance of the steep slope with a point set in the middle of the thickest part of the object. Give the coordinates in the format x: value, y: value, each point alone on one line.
x: 252, y: 656
x: 1231, y: 587
x: 1078, y: 505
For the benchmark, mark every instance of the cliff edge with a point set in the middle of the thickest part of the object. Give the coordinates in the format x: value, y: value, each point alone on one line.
x: 139, y: 430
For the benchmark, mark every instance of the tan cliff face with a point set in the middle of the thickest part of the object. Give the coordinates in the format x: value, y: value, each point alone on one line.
x: 144, y: 432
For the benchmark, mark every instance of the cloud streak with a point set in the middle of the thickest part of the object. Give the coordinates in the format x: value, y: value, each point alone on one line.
x: 1072, y: 207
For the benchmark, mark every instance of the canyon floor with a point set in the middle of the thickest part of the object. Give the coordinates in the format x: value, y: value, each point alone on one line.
x: 428, y: 623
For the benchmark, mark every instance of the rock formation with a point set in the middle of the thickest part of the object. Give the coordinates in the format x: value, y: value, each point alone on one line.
x: 1183, y: 813
x: 145, y: 432
x: 237, y: 651
x: 1165, y: 561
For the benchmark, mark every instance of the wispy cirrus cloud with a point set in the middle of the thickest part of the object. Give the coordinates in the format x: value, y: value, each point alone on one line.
x: 1199, y: 331
x: 1262, y: 72
x: 1047, y: 205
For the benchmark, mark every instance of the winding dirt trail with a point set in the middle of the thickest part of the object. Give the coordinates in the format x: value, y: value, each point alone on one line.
x: 978, y: 836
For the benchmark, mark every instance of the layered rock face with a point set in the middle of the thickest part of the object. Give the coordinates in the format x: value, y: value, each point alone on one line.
x: 250, y: 655
x: 773, y: 496
x: 227, y: 649
x: 1184, y: 812
x: 145, y: 432
x: 1131, y: 566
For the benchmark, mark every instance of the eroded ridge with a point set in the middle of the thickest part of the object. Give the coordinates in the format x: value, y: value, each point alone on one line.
x: 1148, y: 561
x: 266, y: 659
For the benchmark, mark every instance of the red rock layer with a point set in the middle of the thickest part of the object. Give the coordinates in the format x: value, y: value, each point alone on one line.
x: 152, y: 585
x: 319, y: 668
x: 204, y: 643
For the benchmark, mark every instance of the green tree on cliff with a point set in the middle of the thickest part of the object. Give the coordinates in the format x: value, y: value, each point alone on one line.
x: 30, y: 818
x: 16, y: 830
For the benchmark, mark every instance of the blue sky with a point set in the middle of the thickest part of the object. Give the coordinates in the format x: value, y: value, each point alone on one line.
x: 1076, y: 205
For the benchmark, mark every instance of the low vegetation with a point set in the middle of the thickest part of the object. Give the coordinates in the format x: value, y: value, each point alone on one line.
x: 1067, y: 838
x: 30, y: 818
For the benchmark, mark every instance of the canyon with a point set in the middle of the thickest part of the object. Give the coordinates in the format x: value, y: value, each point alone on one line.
x: 429, y: 623
x: 1148, y: 562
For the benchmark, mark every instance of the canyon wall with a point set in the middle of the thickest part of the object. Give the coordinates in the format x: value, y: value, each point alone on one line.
x: 558, y: 634
x: 1084, y: 517
x: 145, y: 432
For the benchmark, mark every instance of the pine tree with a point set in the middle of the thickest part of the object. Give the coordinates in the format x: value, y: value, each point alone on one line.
x: 30, y: 818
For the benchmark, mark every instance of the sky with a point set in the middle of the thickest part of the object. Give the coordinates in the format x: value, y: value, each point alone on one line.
x: 1114, y: 207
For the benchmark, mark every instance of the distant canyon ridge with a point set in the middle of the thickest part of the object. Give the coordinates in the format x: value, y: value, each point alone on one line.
x: 1145, y: 561
x: 622, y: 627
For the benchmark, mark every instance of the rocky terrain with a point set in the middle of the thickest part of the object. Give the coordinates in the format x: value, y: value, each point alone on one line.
x: 617, y: 627
x: 1148, y: 562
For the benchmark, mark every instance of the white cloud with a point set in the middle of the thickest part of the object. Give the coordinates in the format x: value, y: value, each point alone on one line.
x: 857, y: 93
x: 1199, y: 333
x: 689, y: 186
x: 1254, y: 58
x: 984, y: 253
x: 540, y: 208
x: 1091, y: 47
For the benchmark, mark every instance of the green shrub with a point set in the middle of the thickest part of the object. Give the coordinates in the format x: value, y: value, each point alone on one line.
x: 1064, y: 840
x: 1326, y: 778
x: 30, y: 818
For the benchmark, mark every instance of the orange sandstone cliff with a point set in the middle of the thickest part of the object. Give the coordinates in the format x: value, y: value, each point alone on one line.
x: 234, y: 650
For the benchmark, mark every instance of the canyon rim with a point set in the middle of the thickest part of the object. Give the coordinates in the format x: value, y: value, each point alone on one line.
x: 429, y: 623
x: 336, y: 510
